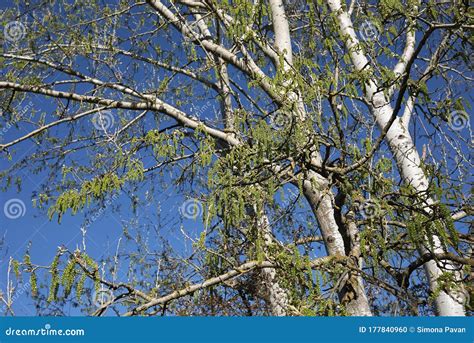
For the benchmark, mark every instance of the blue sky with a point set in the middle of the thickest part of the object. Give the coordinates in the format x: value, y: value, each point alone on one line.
x: 104, y: 233
x: 17, y: 230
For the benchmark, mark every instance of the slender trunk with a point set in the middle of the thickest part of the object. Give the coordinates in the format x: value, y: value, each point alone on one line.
x: 277, y: 297
x: 320, y: 198
x: 320, y: 201
x: 448, y: 303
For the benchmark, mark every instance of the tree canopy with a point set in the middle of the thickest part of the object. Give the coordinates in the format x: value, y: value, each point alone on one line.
x: 320, y: 152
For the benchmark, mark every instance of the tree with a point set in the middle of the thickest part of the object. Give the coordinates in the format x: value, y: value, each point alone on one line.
x: 289, y: 129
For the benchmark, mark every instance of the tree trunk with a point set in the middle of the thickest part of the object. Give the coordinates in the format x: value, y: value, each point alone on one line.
x: 408, y: 161
x: 277, y: 297
x: 448, y: 303
x: 321, y: 200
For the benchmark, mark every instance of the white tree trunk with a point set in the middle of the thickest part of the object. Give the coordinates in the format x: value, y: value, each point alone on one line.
x: 316, y: 188
x: 322, y: 204
x: 408, y: 161
x: 277, y: 297
x: 404, y: 151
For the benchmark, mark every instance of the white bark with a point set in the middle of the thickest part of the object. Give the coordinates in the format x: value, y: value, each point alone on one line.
x: 355, y: 253
x: 316, y: 188
x: 408, y: 161
x: 282, y: 32
x: 152, y: 103
x: 404, y: 151
x: 322, y: 204
x: 276, y: 296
